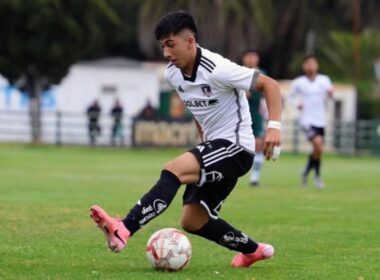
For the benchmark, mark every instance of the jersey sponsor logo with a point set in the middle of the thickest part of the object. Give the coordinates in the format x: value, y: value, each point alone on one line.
x: 201, y: 103
x: 213, y: 102
x: 206, y: 89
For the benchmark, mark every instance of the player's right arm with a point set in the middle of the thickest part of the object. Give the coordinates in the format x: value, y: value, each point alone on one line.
x: 293, y: 96
x: 235, y: 76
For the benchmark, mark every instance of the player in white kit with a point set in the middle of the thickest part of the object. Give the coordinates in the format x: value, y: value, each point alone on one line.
x: 313, y: 90
x: 213, y: 89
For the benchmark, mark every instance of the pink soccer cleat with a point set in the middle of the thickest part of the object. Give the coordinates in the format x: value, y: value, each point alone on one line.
x: 116, y: 233
x: 263, y: 252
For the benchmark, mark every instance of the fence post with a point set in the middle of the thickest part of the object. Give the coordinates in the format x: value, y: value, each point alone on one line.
x: 58, y: 127
x: 295, y: 137
x: 375, y: 135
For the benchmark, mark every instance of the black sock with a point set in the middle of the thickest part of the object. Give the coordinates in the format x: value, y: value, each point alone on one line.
x: 154, y: 202
x: 317, y: 166
x: 225, y: 235
x: 310, y: 165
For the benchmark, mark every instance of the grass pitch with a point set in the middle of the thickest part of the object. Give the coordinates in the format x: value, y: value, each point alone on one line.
x: 46, y: 232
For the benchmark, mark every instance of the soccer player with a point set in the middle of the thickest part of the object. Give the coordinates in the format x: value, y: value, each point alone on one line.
x: 93, y: 114
x: 117, y: 127
x: 313, y: 89
x: 251, y: 59
x: 213, y: 89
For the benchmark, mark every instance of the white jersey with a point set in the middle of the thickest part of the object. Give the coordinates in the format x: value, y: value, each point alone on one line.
x: 313, y: 96
x: 215, y: 95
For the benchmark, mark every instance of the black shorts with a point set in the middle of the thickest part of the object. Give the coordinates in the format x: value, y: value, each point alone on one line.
x: 312, y: 131
x: 222, y: 163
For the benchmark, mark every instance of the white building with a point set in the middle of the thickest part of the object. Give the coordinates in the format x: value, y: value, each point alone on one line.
x: 133, y: 83
x: 107, y: 80
x: 104, y: 80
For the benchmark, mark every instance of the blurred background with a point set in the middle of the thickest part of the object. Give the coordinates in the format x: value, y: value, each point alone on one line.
x: 90, y: 72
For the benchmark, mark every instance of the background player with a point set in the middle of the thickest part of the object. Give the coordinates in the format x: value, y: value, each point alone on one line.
x: 313, y: 89
x: 251, y: 59
x: 213, y: 89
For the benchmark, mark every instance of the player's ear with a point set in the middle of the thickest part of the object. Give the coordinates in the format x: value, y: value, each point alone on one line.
x: 190, y: 41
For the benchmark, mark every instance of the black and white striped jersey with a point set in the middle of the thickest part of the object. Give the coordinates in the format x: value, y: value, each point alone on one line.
x: 215, y: 95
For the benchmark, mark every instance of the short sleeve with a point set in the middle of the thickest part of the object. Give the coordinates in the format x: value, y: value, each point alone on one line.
x: 294, y: 92
x: 328, y: 84
x: 294, y: 89
x: 232, y: 75
x: 169, y: 77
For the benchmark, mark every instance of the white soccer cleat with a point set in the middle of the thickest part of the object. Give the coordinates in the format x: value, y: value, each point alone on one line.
x: 319, y: 184
x: 303, y: 179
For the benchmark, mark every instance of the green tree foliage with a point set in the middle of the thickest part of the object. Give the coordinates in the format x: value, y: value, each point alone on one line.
x: 228, y: 27
x: 51, y: 34
x: 337, y: 58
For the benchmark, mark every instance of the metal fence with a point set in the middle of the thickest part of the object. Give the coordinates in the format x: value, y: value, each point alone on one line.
x: 62, y: 128
x: 359, y: 137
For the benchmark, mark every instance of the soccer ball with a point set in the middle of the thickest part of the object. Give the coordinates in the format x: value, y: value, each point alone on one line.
x: 168, y: 249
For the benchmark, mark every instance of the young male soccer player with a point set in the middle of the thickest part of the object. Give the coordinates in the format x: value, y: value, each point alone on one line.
x: 314, y: 89
x: 213, y: 89
x: 250, y: 59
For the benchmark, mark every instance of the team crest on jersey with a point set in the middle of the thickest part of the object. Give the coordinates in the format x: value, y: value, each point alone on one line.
x: 206, y: 89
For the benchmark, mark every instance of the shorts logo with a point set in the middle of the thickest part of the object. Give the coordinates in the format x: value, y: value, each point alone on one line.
x: 206, y: 89
x: 159, y: 205
x: 200, y: 148
x: 214, y: 176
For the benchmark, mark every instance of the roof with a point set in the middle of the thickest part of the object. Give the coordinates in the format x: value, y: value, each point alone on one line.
x: 118, y: 62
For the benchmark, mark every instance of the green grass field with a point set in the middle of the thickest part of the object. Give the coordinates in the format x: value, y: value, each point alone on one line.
x: 46, y: 232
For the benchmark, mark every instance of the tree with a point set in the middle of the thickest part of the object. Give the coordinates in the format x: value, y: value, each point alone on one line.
x: 228, y: 27
x: 40, y: 39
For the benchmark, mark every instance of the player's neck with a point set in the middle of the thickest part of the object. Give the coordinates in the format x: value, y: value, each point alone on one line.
x: 188, y: 69
x: 311, y: 76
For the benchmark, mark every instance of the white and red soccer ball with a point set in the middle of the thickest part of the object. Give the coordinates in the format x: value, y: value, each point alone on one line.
x: 168, y: 249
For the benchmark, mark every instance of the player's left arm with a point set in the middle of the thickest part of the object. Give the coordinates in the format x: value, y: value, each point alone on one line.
x: 272, y: 94
x: 330, y: 88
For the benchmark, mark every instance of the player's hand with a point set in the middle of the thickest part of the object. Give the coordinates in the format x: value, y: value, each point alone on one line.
x: 272, y: 140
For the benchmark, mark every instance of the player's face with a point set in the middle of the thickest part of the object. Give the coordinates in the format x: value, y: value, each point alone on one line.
x: 177, y: 49
x: 310, y: 66
x: 251, y: 60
